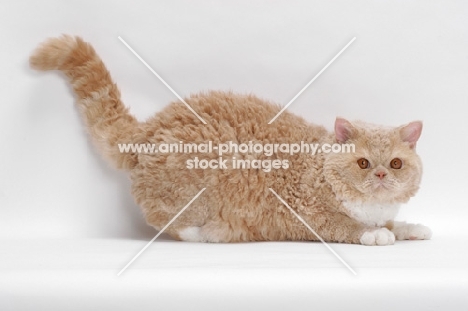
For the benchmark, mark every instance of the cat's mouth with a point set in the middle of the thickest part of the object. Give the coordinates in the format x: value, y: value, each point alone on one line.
x: 381, y: 185
x: 377, y: 186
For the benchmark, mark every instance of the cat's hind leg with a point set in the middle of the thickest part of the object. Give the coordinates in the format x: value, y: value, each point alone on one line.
x: 191, y: 234
x: 212, y: 232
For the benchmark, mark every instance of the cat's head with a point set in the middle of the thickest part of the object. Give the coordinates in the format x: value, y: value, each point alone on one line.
x: 384, y: 167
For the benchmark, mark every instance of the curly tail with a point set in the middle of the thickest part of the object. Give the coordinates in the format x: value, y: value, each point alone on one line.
x: 107, y: 119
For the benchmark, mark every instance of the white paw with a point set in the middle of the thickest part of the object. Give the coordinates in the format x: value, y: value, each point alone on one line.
x: 191, y: 234
x: 404, y: 231
x: 381, y: 236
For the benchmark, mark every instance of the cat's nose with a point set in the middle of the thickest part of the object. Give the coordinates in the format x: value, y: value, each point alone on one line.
x: 380, y: 174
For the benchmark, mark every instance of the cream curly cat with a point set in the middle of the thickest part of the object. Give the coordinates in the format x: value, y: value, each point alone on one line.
x: 344, y: 197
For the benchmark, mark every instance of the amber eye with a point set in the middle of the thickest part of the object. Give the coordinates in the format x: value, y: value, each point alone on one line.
x: 396, y: 163
x: 363, y: 163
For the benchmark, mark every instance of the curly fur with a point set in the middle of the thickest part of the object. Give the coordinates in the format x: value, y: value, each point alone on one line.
x: 237, y: 204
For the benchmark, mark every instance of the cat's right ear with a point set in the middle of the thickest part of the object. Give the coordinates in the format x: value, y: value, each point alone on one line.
x: 343, y: 130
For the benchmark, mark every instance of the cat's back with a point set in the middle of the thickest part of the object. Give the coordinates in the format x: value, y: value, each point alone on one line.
x: 230, y: 117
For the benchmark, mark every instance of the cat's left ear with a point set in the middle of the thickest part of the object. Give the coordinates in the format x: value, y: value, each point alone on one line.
x: 411, y: 132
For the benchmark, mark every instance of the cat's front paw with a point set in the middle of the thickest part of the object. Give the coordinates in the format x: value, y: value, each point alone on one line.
x: 404, y: 231
x: 381, y: 236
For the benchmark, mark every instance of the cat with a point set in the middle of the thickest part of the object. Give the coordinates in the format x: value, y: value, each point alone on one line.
x: 348, y: 197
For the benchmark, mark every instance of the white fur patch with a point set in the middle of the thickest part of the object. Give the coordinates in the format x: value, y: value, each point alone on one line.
x: 372, y: 214
x: 381, y: 236
x: 191, y: 234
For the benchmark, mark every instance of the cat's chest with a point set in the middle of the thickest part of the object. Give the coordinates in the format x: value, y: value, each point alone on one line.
x: 371, y: 214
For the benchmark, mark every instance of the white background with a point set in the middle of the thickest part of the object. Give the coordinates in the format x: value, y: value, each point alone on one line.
x: 409, y: 62
x: 68, y: 223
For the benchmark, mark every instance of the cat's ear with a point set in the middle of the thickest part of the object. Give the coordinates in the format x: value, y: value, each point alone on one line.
x: 411, y: 132
x: 344, y: 130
